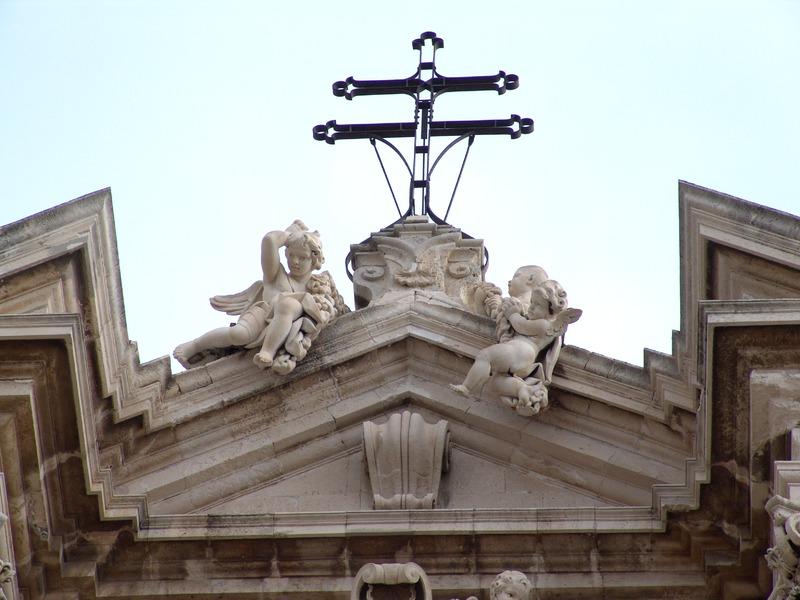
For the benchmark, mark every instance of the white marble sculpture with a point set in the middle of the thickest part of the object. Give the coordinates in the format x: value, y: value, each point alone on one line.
x: 530, y: 324
x: 783, y: 557
x: 282, y: 313
x: 510, y: 585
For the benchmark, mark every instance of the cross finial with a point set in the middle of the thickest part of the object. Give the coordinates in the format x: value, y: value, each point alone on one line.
x: 424, y: 86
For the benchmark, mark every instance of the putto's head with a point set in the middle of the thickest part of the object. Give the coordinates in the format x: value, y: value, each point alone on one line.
x: 510, y: 585
x: 525, y: 279
x: 550, y: 295
x: 304, y: 252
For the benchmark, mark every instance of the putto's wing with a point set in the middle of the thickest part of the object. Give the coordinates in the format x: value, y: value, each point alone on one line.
x: 568, y: 316
x: 236, y: 304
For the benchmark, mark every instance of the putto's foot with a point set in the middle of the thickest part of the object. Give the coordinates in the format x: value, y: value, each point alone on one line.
x: 183, y: 353
x: 263, y: 360
x: 460, y: 388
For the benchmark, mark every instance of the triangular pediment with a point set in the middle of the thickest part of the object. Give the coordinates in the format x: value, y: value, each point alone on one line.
x: 277, y: 439
x: 327, y: 469
x: 676, y: 454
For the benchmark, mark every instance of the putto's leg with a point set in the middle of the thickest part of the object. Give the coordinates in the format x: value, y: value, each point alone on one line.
x: 478, y: 375
x: 222, y: 337
x: 287, y: 309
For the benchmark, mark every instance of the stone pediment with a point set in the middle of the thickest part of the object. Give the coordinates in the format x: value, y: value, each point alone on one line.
x: 224, y: 432
x: 305, y: 434
x: 99, y: 448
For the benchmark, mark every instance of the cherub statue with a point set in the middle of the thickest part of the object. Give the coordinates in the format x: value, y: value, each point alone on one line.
x: 510, y: 585
x: 520, y: 366
x: 283, y: 312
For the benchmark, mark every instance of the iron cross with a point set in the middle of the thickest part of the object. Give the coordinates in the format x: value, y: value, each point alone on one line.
x: 424, y: 86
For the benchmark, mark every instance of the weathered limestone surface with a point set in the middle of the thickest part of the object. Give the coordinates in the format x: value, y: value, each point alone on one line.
x: 122, y: 479
x: 390, y: 581
x: 405, y: 458
x: 415, y: 255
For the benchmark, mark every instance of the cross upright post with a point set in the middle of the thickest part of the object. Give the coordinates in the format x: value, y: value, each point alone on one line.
x: 423, y: 111
x: 424, y: 86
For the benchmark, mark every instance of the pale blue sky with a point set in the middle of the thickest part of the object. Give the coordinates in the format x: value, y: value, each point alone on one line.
x: 198, y: 115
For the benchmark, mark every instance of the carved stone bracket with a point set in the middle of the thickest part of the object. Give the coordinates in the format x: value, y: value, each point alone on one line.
x: 405, y: 458
x: 414, y: 254
x: 393, y: 581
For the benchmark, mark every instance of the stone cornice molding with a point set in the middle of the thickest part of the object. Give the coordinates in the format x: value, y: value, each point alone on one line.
x: 85, y: 226
x: 68, y: 329
x: 713, y: 316
x: 710, y: 217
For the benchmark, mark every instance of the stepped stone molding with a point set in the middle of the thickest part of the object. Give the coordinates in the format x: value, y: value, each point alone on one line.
x: 405, y: 458
x: 85, y: 226
x: 708, y: 219
x: 406, y: 580
x: 415, y: 254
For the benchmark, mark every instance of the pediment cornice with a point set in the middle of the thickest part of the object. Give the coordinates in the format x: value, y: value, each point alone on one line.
x: 687, y: 434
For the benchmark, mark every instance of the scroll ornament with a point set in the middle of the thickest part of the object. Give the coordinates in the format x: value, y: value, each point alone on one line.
x: 405, y: 460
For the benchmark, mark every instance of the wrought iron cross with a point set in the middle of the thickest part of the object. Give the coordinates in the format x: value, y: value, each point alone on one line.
x: 424, y: 86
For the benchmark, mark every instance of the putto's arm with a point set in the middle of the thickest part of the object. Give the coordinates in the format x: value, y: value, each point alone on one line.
x: 528, y: 327
x: 270, y: 259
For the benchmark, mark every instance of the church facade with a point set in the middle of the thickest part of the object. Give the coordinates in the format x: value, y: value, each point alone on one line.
x: 362, y: 471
